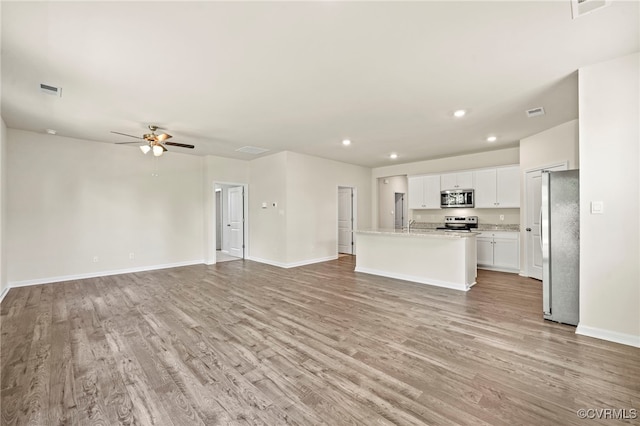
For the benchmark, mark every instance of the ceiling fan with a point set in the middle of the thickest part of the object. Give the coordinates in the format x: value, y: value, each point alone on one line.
x: 155, y: 143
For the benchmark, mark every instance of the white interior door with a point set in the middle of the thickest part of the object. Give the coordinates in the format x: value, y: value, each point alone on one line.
x: 345, y: 220
x: 534, y: 201
x: 236, y: 221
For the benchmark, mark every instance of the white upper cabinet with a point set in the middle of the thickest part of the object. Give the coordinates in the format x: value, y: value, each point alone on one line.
x: 424, y: 192
x: 460, y: 180
x: 508, y: 186
x: 498, y: 188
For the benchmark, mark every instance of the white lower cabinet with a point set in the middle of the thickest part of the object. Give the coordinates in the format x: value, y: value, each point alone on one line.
x: 499, y: 251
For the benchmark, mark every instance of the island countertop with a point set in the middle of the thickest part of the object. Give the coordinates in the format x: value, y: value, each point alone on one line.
x: 436, y: 257
x: 420, y: 233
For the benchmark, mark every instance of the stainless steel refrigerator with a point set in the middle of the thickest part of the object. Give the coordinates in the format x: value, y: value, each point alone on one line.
x: 560, y: 241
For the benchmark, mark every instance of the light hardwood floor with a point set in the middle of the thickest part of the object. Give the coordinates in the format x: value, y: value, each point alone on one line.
x: 247, y: 343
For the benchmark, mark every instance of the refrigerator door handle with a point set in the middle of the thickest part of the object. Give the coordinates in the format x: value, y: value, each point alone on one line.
x: 540, y: 226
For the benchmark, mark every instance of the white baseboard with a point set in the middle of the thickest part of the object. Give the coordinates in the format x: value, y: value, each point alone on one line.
x: 49, y: 280
x: 415, y: 279
x: 292, y: 264
x: 498, y: 269
x: 612, y: 336
x: 4, y: 293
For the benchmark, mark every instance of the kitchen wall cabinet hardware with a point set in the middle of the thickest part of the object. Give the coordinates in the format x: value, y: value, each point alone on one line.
x: 499, y: 251
x: 498, y: 188
x: 459, y: 180
x: 424, y: 192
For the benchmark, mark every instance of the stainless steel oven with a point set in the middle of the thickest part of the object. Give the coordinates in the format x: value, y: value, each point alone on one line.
x: 456, y: 198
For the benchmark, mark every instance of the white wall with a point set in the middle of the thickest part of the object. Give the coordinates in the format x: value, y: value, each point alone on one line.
x: 70, y: 200
x: 3, y: 207
x: 219, y: 170
x: 500, y: 157
x: 553, y: 146
x: 485, y: 216
x: 387, y: 199
x: 268, y: 227
x: 609, y: 98
x: 312, y: 200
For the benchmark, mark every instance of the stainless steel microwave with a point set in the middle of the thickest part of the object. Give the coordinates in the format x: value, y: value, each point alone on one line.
x: 456, y: 198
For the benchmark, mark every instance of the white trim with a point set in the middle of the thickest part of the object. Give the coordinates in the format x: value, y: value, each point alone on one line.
x: 416, y: 279
x: 611, y: 336
x: 499, y: 269
x: 62, y: 278
x: 292, y: 264
x: 211, y: 257
x: 4, y: 293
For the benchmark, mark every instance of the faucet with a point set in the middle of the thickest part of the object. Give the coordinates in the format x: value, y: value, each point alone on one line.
x: 411, y: 222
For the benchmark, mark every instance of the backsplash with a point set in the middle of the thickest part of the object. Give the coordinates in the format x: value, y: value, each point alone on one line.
x: 485, y: 216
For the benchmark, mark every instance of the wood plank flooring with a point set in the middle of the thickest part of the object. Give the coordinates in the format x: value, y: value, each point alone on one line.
x: 242, y: 343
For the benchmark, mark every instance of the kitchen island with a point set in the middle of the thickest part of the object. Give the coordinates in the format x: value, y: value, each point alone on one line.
x: 439, y: 258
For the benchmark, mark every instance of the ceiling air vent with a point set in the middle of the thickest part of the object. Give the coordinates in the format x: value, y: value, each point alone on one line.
x: 252, y: 150
x: 534, y: 112
x: 582, y: 7
x: 51, y: 90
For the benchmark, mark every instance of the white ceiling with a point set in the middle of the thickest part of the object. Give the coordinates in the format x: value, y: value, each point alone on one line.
x: 303, y: 76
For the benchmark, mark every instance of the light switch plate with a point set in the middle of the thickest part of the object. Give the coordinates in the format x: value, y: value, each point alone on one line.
x: 597, y: 207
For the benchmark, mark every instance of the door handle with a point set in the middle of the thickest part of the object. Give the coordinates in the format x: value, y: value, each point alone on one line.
x: 528, y: 229
x: 228, y: 224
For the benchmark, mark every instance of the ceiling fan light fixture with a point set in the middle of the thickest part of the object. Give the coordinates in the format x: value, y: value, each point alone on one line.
x: 145, y: 148
x: 157, y: 150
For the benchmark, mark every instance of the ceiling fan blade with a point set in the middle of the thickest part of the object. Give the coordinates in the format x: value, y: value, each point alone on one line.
x: 122, y: 143
x: 164, y: 149
x: 124, y: 134
x: 163, y: 137
x: 181, y: 145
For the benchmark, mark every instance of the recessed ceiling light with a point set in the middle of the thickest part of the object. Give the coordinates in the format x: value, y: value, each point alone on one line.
x: 459, y: 113
x: 492, y: 139
x: 393, y: 156
x: 346, y: 142
x: 51, y: 131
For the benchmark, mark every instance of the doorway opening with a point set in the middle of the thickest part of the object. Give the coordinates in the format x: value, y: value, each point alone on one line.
x: 346, y: 219
x: 399, y: 210
x: 230, y: 221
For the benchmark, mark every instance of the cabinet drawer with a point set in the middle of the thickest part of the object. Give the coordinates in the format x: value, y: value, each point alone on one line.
x: 505, y: 235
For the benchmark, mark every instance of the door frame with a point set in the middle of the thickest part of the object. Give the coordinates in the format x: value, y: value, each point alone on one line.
x: 523, y: 233
x: 354, y: 215
x: 245, y: 211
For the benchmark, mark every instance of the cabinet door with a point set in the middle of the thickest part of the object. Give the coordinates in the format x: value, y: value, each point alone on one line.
x: 431, y: 186
x: 485, y: 193
x: 448, y: 181
x: 485, y: 251
x: 416, y: 193
x: 464, y: 180
x: 508, y: 187
x: 506, y: 253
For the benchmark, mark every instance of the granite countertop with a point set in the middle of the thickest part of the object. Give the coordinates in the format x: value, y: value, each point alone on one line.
x: 503, y: 228
x: 421, y: 233
x: 481, y: 227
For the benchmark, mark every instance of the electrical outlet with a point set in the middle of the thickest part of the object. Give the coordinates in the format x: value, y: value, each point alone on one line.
x: 501, y: 217
x: 132, y: 256
x: 95, y: 259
